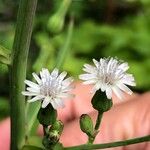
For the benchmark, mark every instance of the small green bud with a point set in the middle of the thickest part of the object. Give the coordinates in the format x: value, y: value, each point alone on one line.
x: 100, y: 101
x: 58, y: 126
x: 47, y: 116
x: 55, y: 23
x: 86, y: 124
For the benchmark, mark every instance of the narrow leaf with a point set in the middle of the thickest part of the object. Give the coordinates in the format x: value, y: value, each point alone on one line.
x: 4, y: 55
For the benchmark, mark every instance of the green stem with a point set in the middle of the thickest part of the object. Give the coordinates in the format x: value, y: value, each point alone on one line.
x: 45, y: 130
x: 109, y: 145
x: 98, y: 121
x: 17, y: 68
x: 63, y: 52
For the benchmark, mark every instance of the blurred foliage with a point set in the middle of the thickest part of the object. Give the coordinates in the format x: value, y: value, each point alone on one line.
x: 102, y: 29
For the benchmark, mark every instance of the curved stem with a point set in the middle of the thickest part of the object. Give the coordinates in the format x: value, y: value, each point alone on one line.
x: 17, y: 69
x: 64, y: 50
x: 109, y: 145
x: 98, y: 121
x: 97, y: 125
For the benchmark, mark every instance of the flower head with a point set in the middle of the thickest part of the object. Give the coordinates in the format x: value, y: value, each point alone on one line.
x: 50, y: 88
x: 109, y: 75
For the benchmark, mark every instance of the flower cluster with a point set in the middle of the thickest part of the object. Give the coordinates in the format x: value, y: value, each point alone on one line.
x: 50, y: 88
x: 108, y: 74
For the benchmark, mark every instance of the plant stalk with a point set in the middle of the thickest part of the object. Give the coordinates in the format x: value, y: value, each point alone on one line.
x: 96, y: 128
x: 98, y: 121
x: 109, y: 145
x: 64, y: 50
x: 26, y: 13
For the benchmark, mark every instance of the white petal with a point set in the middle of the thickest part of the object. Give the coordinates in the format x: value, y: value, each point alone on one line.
x: 128, y: 79
x: 67, y: 81
x: 118, y: 92
x: 89, y: 69
x: 33, y: 90
x: 96, y: 63
x: 88, y: 66
x: 124, y: 66
x: 36, y: 98
x: 109, y: 64
x: 103, y: 87
x: 124, y: 88
x: 87, y: 76
x: 46, y: 72
x: 62, y: 75
x: 46, y: 101
x: 55, y: 73
x: 36, y: 77
x: 54, y: 104
x: 29, y: 93
x: 31, y: 84
x: 89, y: 81
x: 109, y: 93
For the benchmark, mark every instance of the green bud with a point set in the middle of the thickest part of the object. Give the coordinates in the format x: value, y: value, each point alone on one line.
x: 56, y: 23
x: 86, y: 124
x: 47, y: 116
x: 100, y: 101
x: 58, y: 126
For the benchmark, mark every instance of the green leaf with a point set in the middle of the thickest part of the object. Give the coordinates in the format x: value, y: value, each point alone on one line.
x: 47, y: 116
x: 31, y: 115
x: 30, y: 147
x: 4, y: 55
x: 35, y: 141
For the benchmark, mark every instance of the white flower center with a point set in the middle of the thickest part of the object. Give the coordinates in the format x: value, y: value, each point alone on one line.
x: 50, y: 89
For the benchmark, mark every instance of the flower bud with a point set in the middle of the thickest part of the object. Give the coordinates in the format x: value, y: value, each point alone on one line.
x: 56, y: 22
x: 100, y: 101
x: 47, y: 116
x: 57, y: 126
x: 86, y: 124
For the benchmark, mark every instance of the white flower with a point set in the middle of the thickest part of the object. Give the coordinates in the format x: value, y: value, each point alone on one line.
x: 50, y: 88
x: 109, y: 75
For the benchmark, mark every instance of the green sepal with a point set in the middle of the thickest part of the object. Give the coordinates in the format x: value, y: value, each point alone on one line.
x: 100, y: 102
x: 86, y: 124
x: 47, y: 116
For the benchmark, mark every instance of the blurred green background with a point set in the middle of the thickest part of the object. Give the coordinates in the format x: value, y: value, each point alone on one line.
x: 102, y: 28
